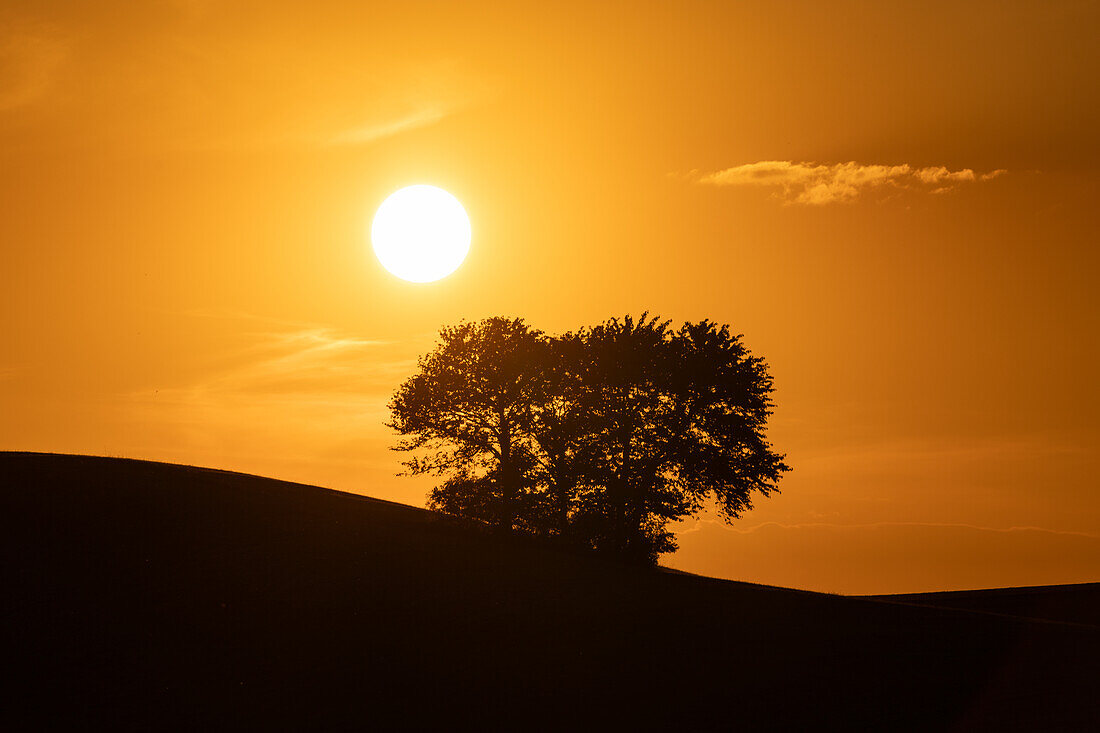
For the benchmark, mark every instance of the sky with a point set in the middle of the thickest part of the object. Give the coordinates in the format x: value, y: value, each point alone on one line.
x: 895, y: 203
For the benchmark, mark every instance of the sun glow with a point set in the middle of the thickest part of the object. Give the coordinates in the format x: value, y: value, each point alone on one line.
x: 421, y: 233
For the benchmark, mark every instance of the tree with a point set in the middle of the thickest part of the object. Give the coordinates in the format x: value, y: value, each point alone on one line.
x: 602, y: 437
x: 627, y: 370
x: 679, y: 418
x: 469, y: 407
x: 726, y: 395
x: 561, y: 434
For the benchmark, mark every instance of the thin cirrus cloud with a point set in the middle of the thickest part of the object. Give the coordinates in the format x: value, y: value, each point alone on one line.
x: 879, y: 557
x: 816, y: 184
x: 302, y: 401
x: 30, y: 58
x: 295, y: 390
x: 701, y: 523
x: 428, y: 114
x: 254, y: 93
x: 289, y: 362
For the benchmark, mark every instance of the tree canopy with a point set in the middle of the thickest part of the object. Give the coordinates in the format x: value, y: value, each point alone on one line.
x: 599, y: 437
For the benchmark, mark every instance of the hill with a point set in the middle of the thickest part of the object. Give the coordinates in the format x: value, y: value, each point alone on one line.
x: 146, y: 596
x: 1076, y: 604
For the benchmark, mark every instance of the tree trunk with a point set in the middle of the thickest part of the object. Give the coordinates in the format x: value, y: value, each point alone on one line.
x: 622, y: 509
x: 507, y: 479
x: 563, y: 495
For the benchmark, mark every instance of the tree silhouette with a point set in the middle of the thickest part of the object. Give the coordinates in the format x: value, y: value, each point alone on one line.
x: 726, y: 397
x: 628, y: 374
x: 561, y: 434
x: 600, y: 437
x: 469, y: 406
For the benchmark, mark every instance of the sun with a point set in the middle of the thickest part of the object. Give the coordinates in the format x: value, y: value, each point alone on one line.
x: 421, y: 233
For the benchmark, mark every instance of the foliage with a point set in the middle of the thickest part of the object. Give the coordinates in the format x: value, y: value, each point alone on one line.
x: 469, y: 406
x: 600, y: 437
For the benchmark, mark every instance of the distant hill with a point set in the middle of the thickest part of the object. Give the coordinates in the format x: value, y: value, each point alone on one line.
x: 1078, y: 603
x: 149, y: 596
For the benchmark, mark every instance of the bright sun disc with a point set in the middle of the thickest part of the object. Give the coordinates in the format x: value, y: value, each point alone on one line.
x: 421, y: 233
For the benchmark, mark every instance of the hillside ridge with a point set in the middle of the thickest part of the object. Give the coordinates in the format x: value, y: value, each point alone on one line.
x: 138, y: 590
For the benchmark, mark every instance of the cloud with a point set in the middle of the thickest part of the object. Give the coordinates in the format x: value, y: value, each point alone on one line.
x: 297, y: 392
x: 308, y: 367
x: 428, y: 115
x: 700, y: 523
x: 888, y: 557
x: 816, y: 184
x: 29, y: 59
x: 430, y: 93
x: 298, y: 401
x: 178, y: 81
x: 953, y: 453
x: 343, y: 113
x: 307, y: 360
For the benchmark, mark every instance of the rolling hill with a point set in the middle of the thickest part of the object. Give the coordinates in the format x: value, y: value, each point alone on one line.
x: 1073, y: 604
x: 150, y: 596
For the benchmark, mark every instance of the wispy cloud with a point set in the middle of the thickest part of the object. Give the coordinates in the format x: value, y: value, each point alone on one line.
x: 431, y: 93
x: 816, y: 184
x: 30, y: 56
x: 888, y: 557
x: 296, y: 391
x: 176, y: 81
x: 368, y: 133
x: 700, y: 523
x: 953, y: 452
x: 312, y: 366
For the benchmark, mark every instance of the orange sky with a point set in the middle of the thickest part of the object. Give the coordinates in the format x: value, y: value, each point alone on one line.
x: 894, y: 202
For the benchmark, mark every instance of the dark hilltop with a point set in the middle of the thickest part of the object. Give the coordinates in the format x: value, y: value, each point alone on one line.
x: 150, y: 596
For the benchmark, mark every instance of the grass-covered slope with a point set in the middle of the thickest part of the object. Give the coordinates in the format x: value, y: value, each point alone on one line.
x: 148, y: 596
x: 1075, y: 604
